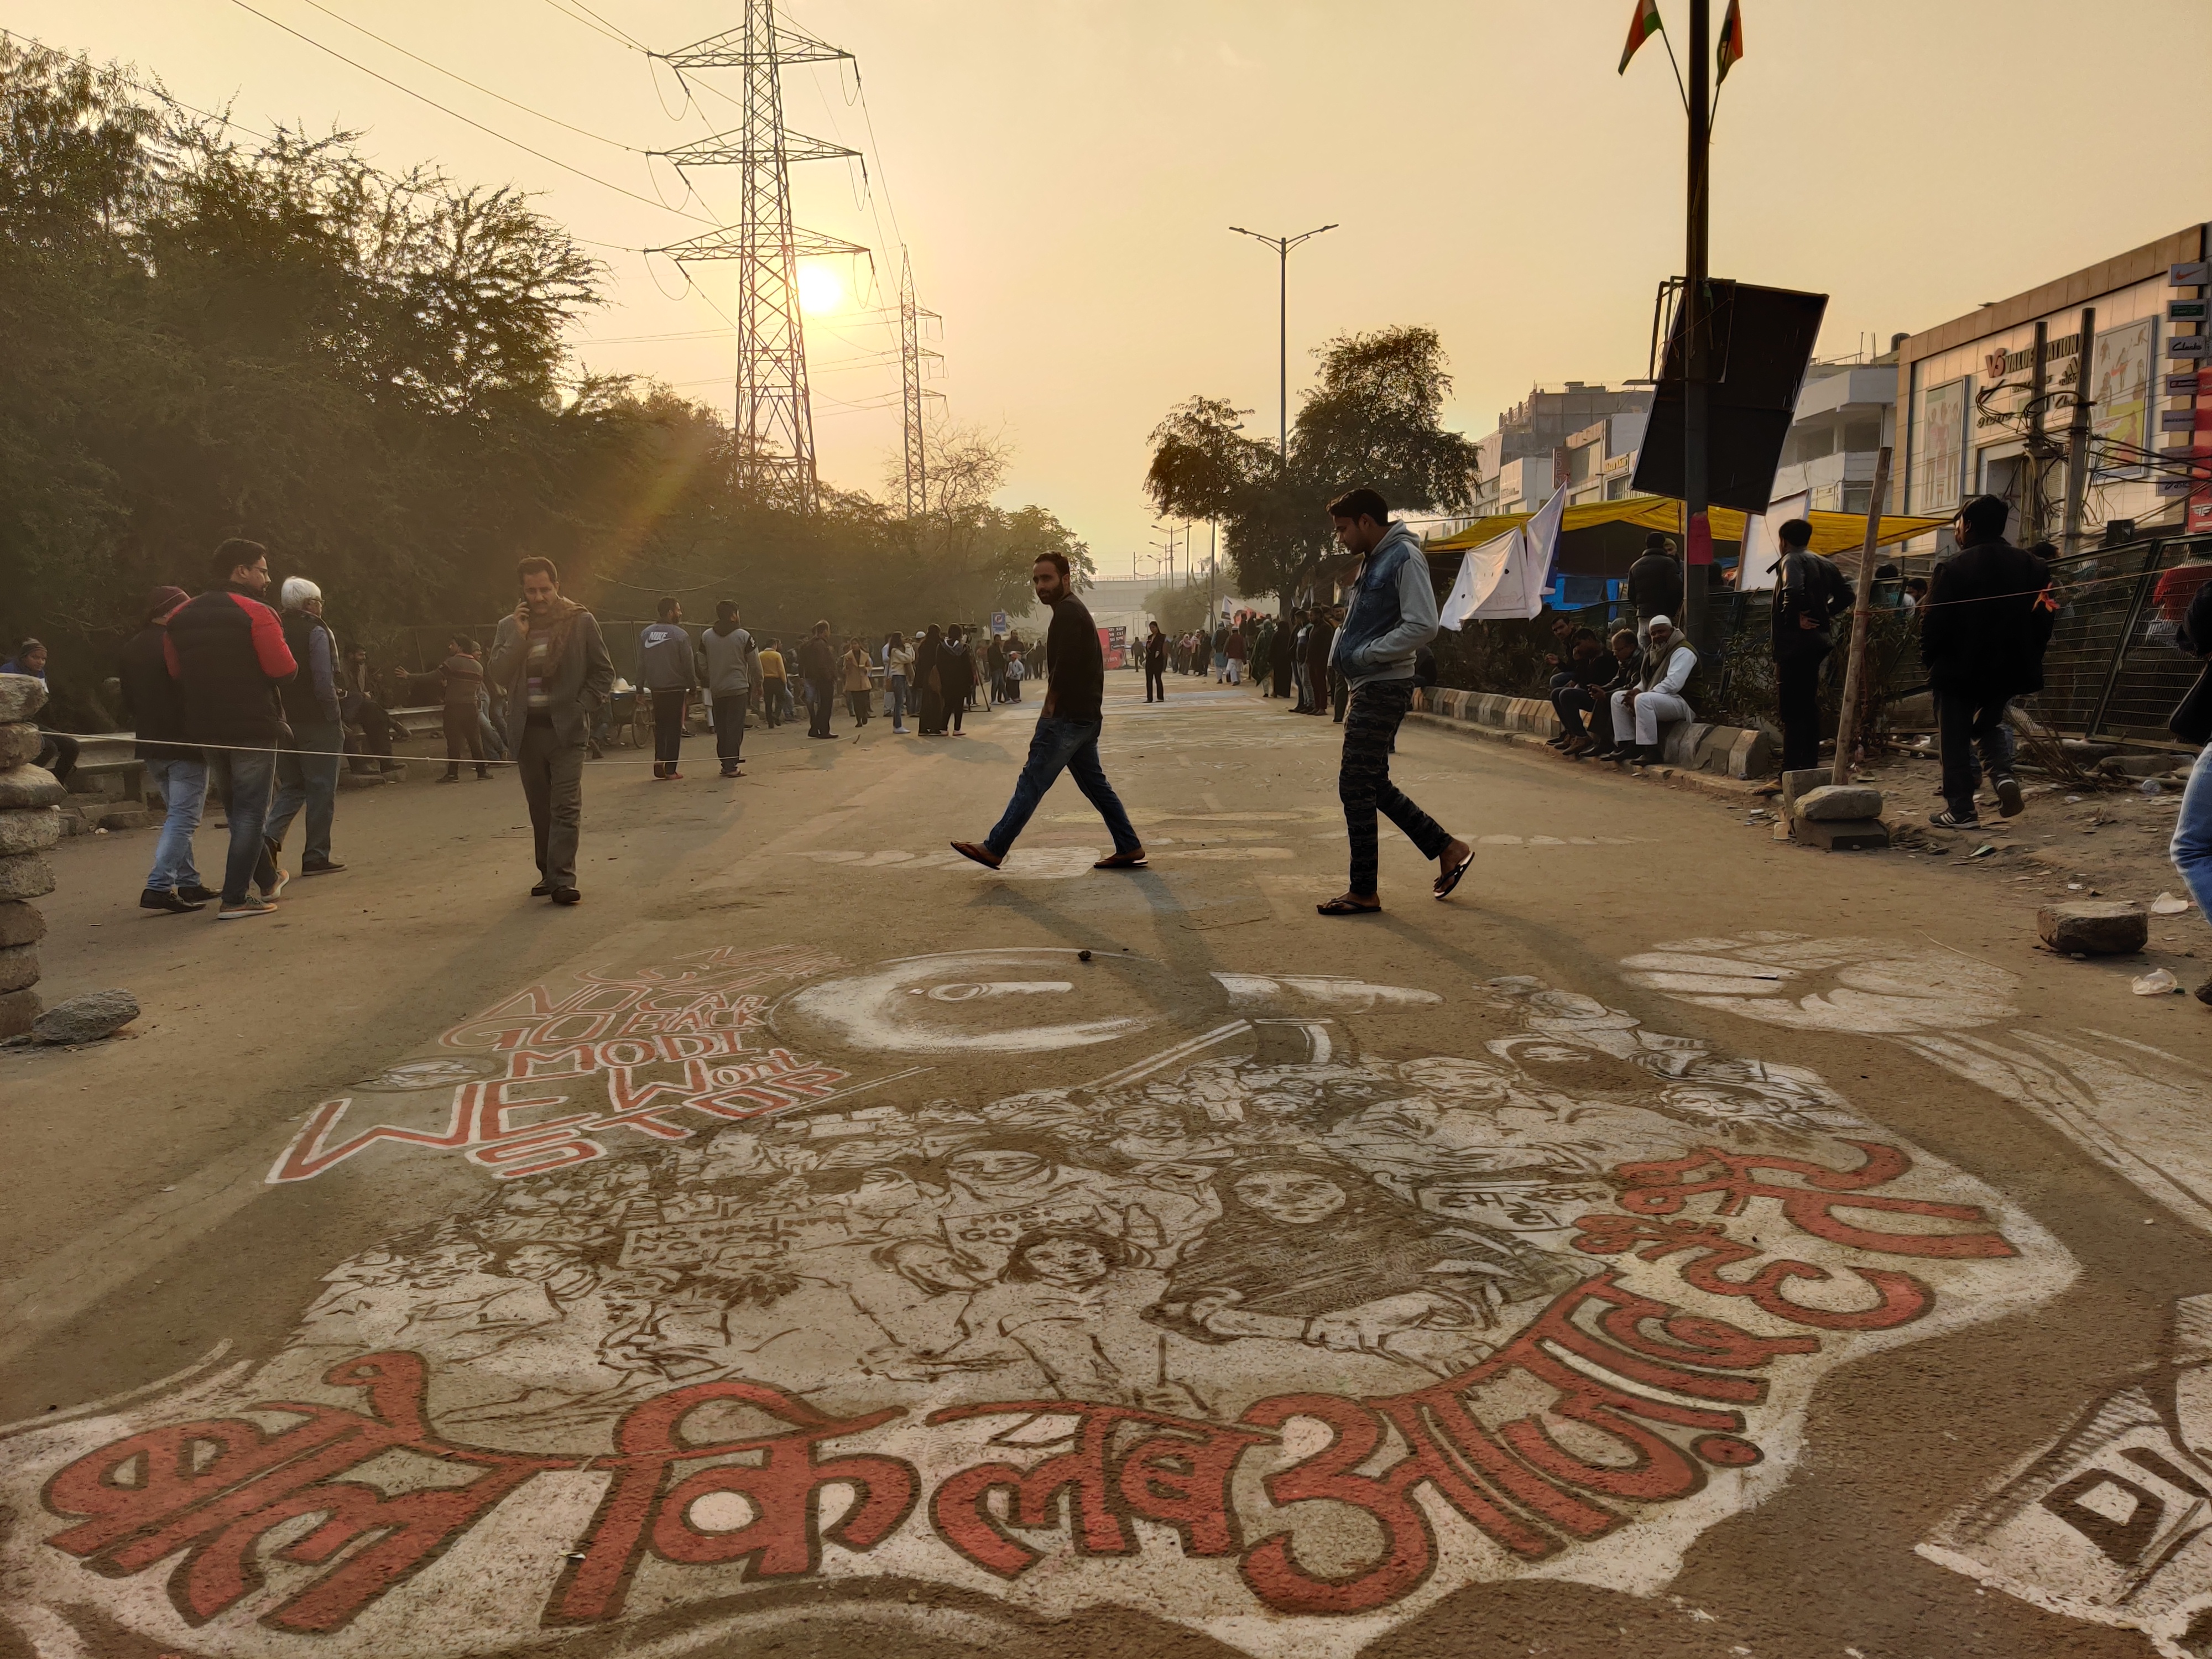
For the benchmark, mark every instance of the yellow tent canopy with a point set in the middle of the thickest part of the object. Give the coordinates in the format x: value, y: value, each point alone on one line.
x: 1832, y: 532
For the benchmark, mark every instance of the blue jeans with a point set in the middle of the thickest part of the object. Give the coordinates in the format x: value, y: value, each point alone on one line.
x: 248, y: 777
x: 307, y: 776
x: 895, y: 701
x: 1071, y: 746
x: 2192, y: 833
x: 183, y: 784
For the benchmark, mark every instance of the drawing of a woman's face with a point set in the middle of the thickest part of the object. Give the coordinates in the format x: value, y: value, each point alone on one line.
x: 1293, y: 1197
x: 1071, y: 1262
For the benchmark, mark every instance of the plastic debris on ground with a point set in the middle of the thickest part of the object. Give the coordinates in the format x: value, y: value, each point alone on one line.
x: 2156, y: 983
x: 2168, y: 904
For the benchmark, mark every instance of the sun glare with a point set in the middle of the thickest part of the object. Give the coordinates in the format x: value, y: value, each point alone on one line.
x: 819, y: 290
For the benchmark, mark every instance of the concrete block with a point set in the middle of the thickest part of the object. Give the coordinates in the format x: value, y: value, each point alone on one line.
x: 21, y: 924
x: 27, y: 785
x: 30, y: 829
x: 18, y: 1009
x: 19, y: 742
x: 1752, y: 755
x: 1836, y: 802
x: 1802, y: 782
x: 1842, y: 835
x: 26, y: 876
x: 2093, y: 928
x: 19, y: 966
x: 124, y: 818
x: 21, y: 696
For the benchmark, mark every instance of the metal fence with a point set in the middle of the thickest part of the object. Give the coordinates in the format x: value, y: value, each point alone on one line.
x: 2113, y: 670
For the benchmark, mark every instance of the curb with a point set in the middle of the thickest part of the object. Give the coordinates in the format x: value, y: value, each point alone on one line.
x: 1726, y: 788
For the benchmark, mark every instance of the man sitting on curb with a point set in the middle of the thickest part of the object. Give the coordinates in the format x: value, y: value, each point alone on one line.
x: 1625, y: 663
x: 1585, y: 666
x: 1656, y: 697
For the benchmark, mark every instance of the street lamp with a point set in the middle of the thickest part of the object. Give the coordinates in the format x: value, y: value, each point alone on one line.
x: 1283, y: 245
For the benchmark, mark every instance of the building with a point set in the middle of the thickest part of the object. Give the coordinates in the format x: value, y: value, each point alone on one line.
x: 1965, y: 386
x: 1538, y: 440
x: 1845, y: 413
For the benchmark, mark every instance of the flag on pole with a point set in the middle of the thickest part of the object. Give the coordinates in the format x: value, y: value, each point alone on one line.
x: 1731, y: 47
x: 1642, y: 27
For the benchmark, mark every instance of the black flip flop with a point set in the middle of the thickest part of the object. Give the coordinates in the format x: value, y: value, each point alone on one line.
x: 1449, y: 879
x: 1345, y: 907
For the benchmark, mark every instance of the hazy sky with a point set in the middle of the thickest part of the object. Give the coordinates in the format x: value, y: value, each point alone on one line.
x: 1064, y: 172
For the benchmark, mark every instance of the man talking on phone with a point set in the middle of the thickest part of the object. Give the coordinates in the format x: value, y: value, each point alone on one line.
x: 554, y: 665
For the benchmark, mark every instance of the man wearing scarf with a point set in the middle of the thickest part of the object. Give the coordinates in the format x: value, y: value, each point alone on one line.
x: 553, y: 664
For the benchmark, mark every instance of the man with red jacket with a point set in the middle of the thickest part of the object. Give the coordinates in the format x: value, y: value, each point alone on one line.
x: 226, y: 651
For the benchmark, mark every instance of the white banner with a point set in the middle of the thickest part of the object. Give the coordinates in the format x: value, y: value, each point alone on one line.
x: 1506, y: 576
x: 1762, y: 553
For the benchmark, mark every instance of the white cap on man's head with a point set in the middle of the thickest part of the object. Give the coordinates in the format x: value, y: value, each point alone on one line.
x: 1658, y: 622
x: 297, y: 592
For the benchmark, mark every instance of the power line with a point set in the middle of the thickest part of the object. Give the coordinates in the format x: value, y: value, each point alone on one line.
x: 396, y: 86
x: 597, y: 138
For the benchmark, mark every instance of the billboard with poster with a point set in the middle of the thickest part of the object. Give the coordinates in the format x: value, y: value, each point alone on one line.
x: 2119, y: 387
x: 1940, y: 440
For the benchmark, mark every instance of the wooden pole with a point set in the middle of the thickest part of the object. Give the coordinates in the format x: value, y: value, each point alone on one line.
x: 1847, y: 722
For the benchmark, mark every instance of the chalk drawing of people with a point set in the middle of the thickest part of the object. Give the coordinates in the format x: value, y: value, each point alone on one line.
x: 1318, y: 1253
x: 1073, y: 1302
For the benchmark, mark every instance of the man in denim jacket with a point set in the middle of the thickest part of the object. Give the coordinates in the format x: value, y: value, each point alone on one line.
x: 1393, y: 614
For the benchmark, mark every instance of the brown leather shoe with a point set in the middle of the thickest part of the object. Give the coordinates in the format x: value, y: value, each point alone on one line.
x: 1133, y: 860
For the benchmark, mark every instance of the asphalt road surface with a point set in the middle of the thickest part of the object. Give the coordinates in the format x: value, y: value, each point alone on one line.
x: 813, y: 1243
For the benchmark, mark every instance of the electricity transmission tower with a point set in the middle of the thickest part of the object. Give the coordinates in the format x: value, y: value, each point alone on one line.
x: 773, y: 416
x: 911, y: 317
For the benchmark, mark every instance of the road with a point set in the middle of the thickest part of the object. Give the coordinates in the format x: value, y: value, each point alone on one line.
x: 1677, y: 1243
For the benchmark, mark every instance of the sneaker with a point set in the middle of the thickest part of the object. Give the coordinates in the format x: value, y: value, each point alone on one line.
x: 2010, y: 802
x: 197, y: 894
x: 276, y: 888
x: 327, y: 867
x: 567, y: 895
x: 1947, y: 819
x: 248, y: 906
x: 160, y: 898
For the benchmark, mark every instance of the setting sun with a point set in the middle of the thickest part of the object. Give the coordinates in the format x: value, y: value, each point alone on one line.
x: 820, y: 290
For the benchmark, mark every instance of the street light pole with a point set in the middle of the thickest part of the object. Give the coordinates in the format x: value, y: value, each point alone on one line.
x: 1283, y: 245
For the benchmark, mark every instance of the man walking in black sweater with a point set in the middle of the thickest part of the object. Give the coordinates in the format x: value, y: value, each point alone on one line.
x: 1067, y: 736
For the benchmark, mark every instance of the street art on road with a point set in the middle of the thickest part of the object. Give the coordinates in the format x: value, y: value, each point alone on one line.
x: 2113, y: 1521
x: 2136, y: 1109
x: 1228, y: 1312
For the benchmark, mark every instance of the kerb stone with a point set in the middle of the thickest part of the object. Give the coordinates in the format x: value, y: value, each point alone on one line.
x: 19, y: 742
x: 86, y: 1018
x: 32, y: 829
x: 21, y: 924
x: 19, y: 966
x: 28, y: 786
x: 18, y: 1009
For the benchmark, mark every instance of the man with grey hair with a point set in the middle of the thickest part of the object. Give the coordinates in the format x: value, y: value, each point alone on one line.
x: 307, y: 768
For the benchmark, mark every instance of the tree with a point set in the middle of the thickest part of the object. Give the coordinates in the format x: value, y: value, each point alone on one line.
x: 1373, y: 420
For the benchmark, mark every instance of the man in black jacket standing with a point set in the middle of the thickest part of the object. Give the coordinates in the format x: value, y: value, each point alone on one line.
x: 551, y: 661
x: 226, y: 650
x: 308, y: 769
x: 1809, y: 594
x: 818, y: 666
x: 1983, y: 632
x: 1067, y: 736
x: 1654, y: 585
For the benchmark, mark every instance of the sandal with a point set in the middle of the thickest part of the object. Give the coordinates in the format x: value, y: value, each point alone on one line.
x: 1122, y: 861
x: 969, y: 849
x: 1449, y: 879
x: 1347, y: 905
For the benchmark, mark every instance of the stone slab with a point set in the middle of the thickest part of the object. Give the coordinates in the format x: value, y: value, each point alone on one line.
x: 86, y: 1018
x: 1803, y: 782
x: 1839, y: 802
x: 21, y: 924
x: 1842, y: 835
x: 2093, y: 928
x: 21, y: 696
x: 19, y: 966
x: 26, y: 876
x: 29, y: 829
x: 124, y: 818
x: 18, y: 1009
x: 28, y: 786
x: 19, y: 742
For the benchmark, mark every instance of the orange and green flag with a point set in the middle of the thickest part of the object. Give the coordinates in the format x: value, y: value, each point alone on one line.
x: 1731, y: 47
x: 1641, y: 27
